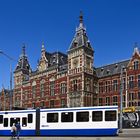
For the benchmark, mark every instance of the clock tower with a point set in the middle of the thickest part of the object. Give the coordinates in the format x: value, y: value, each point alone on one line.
x: 81, y: 75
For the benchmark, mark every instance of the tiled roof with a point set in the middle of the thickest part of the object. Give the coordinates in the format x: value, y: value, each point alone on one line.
x: 23, y: 63
x: 111, y: 69
x: 80, y: 38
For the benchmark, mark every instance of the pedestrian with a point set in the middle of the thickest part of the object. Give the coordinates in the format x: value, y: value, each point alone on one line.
x: 13, y: 130
x: 18, y: 129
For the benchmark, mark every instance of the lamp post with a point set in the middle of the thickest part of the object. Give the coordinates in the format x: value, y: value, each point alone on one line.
x: 11, y: 59
x: 121, y: 99
x: 126, y: 90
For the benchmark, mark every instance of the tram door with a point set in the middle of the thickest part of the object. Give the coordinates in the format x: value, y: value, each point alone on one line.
x: 37, y: 122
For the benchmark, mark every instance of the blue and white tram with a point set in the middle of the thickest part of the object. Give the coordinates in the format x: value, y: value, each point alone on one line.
x: 79, y: 121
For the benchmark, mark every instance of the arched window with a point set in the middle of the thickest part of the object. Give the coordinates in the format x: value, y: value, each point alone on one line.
x: 52, y: 86
x: 42, y: 89
x: 34, y: 89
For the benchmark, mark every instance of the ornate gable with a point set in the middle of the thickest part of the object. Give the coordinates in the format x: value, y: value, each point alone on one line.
x: 134, y: 62
x: 43, y: 62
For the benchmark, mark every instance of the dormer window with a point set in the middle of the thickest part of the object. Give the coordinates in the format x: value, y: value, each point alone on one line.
x: 102, y: 69
x: 116, y: 66
x: 136, y: 65
x: 75, y: 43
x: 108, y: 71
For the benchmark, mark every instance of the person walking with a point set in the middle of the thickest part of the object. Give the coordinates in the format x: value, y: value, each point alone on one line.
x: 13, y: 130
x: 18, y: 127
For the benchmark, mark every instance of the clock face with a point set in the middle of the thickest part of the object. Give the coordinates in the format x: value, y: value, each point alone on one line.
x: 75, y: 62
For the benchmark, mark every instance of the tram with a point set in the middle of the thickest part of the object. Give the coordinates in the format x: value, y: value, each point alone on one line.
x: 78, y: 121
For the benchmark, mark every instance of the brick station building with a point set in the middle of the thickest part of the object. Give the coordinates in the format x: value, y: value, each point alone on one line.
x: 60, y: 80
x: 71, y: 80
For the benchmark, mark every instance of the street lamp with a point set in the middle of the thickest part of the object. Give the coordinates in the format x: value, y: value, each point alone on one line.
x: 11, y: 59
x: 121, y: 98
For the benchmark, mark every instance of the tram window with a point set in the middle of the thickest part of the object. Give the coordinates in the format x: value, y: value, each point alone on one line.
x: 52, y: 117
x: 82, y: 116
x: 24, y: 121
x: 1, y: 119
x: 30, y: 118
x: 5, y: 122
x: 17, y: 120
x: 67, y: 117
x: 97, y: 116
x: 14, y: 120
x: 110, y: 115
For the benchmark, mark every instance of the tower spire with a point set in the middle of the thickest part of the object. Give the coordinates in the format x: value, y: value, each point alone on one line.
x: 43, y: 47
x: 81, y: 19
x: 23, y: 50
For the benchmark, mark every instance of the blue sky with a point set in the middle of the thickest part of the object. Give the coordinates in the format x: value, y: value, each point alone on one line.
x: 113, y: 26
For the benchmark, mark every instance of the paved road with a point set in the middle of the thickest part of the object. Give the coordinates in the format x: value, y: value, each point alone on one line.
x: 128, y: 134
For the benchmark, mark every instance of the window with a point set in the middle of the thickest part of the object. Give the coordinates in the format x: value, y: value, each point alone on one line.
x: 115, y: 100
x: 24, y: 121
x: 131, y: 96
x: 1, y: 119
x: 115, y: 85
x: 14, y: 120
x: 100, y: 101
x: 34, y: 91
x: 110, y: 115
x: 52, y: 104
x: 101, y: 87
x: 42, y: 104
x: 33, y: 105
x: 63, y: 103
x: 42, y: 90
x: 30, y: 118
x: 75, y: 85
x: 63, y: 88
x: 82, y: 116
x: 124, y: 84
x: 67, y: 117
x: 97, y: 116
x: 109, y: 86
x: 52, y: 117
x: 26, y: 95
x: 107, y: 100
x: 5, y: 122
x: 136, y: 65
x: 131, y: 82
x: 88, y: 84
x: 52, y: 88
